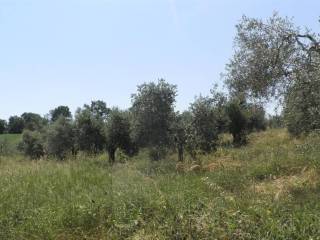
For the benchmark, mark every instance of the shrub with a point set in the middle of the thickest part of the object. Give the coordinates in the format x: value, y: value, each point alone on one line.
x: 32, y: 144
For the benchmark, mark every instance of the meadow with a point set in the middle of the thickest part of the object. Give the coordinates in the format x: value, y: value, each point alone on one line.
x: 268, y: 189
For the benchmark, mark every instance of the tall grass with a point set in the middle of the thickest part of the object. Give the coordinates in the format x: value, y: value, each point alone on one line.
x: 266, y: 190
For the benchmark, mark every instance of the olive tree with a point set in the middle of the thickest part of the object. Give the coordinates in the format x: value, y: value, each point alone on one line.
x: 274, y: 58
x: 60, y: 138
x: 90, y: 131
x: 153, y: 114
x: 238, y: 121
x: 118, y: 132
x: 204, y: 129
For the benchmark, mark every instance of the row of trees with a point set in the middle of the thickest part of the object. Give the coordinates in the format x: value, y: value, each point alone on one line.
x: 32, y: 121
x: 151, y: 123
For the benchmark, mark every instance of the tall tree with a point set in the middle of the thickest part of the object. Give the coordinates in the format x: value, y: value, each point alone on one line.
x: 153, y: 112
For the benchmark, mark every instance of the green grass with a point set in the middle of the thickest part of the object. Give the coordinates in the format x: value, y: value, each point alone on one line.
x: 269, y: 189
x: 9, y: 143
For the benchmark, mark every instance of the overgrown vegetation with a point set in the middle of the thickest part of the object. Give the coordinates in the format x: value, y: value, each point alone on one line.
x: 215, y: 172
x: 268, y: 189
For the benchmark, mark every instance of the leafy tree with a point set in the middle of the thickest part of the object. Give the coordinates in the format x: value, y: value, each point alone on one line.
x: 33, y: 121
x: 204, y: 124
x: 90, y: 131
x: 3, y: 126
x: 15, y: 125
x: 153, y: 113
x: 60, y: 137
x: 32, y: 144
x: 302, y: 103
x: 98, y: 109
x: 60, y: 111
x: 118, y: 134
x: 274, y: 58
x: 238, y: 121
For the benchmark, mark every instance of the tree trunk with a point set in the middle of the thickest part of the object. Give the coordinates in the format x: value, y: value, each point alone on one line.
x: 180, y: 153
x: 112, y: 157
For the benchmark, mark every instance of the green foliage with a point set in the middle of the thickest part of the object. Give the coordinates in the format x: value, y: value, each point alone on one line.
x: 33, y: 121
x: 274, y: 59
x: 60, y: 111
x: 118, y: 133
x: 238, y: 122
x: 32, y: 144
x: 265, y: 54
x: 204, y: 129
x: 181, y: 127
x: 3, y: 126
x: 15, y: 124
x: 60, y: 138
x: 90, y: 131
x: 302, y: 103
x: 98, y: 109
x: 256, y: 118
x: 153, y: 113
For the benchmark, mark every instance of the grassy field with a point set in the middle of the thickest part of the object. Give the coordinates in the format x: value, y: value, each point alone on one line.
x: 269, y: 189
x: 9, y: 143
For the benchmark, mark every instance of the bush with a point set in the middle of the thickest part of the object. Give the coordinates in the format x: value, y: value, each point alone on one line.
x: 32, y: 144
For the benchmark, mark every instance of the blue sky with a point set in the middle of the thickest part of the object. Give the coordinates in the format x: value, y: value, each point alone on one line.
x: 69, y: 52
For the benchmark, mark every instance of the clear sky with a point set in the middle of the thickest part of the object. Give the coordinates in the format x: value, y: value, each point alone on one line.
x: 69, y: 52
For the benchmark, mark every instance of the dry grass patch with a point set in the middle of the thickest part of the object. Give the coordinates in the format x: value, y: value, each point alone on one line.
x: 284, y: 185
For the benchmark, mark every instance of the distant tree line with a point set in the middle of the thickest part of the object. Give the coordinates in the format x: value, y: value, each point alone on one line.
x: 150, y: 123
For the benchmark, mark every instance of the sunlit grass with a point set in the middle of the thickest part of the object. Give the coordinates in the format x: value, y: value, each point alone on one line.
x: 266, y: 190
